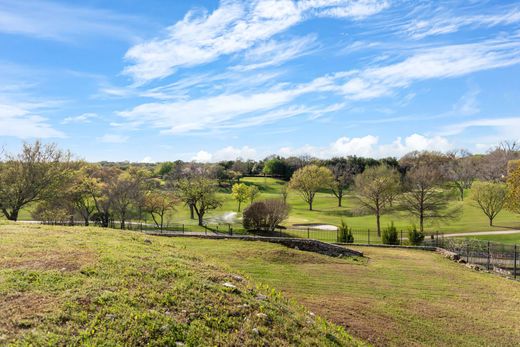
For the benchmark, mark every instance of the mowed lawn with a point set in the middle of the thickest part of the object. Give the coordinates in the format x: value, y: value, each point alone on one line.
x: 394, y: 297
x: 93, y: 287
x: 327, y: 212
x: 507, y: 238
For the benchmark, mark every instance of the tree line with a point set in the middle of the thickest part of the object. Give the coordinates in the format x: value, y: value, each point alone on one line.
x: 422, y: 184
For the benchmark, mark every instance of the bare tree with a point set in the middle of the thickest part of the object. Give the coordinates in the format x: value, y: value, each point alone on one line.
x: 376, y: 188
x: 493, y: 166
x: 461, y: 171
x: 424, y: 196
x: 265, y: 215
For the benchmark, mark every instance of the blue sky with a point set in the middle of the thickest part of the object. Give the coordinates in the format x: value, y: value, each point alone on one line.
x: 214, y: 80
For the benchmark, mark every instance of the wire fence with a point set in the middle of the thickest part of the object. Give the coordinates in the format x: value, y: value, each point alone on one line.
x: 493, y: 256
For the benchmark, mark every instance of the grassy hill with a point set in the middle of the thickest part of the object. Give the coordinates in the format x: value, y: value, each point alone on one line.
x: 66, y: 286
x: 88, y: 286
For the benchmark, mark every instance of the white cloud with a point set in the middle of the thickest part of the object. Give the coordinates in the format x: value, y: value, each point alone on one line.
x: 113, y: 138
x: 50, y: 20
x: 274, y: 53
x: 430, y: 63
x: 231, y: 153
x: 147, y: 160
x: 202, y: 157
x: 438, y: 25
x: 233, y: 27
x: 83, y: 118
x: 21, y: 120
x: 370, y: 146
x: 508, y: 127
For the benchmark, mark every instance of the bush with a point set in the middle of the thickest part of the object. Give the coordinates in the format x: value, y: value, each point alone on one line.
x: 389, y: 235
x: 265, y: 215
x: 345, y: 233
x: 415, y: 237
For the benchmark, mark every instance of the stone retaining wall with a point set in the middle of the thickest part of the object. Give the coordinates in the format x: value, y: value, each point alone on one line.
x: 301, y: 244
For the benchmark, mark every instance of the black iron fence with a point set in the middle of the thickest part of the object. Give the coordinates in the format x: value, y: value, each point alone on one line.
x: 494, y: 256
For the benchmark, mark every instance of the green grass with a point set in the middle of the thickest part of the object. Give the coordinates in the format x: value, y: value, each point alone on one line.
x: 508, y: 238
x: 327, y: 212
x: 89, y: 286
x: 395, y: 297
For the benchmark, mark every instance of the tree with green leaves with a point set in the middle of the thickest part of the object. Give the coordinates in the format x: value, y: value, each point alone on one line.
x: 308, y: 180
x: 157, y: 203
x: 253, y: 193
x: 490, y: 197
x: 513, y: 188
x: 376, y: 188
x: 36, y: 174
x: 240, y: 192
x: 199, y: 192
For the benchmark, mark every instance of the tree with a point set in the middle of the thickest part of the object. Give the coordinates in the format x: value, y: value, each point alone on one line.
x: 376, y: 188
x: 101, y: 188
x: 275, y: 167
x: 424, y: 196
x: 253, y: 193
x: 265, y: 215
x: 493, y: 166
x: 343, y: 171
x: 513, y: 190
x: 240, y: 193
x: 462, y: 171
x: 309, y: 180
x: 37, y: 173
x: 198, y: 191
x: 126, y: 191
x: 490, y: 197
x: 284, y: 192
x: 157, y: 203
x: 80, y: 196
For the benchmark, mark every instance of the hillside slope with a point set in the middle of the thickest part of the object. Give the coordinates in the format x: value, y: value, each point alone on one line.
x: 70, y: 286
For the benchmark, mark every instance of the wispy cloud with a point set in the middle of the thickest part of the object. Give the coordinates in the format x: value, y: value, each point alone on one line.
x: 23, y: 121
x: 233, y: 27
x: 82, y: 118
x: 275, y: 53
x: 55, y: 21
x: 439, y: 24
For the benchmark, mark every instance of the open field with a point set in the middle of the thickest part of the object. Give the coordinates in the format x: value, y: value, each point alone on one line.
x: 327, y: 212
x: 88, y: 286
x: 397, y: 297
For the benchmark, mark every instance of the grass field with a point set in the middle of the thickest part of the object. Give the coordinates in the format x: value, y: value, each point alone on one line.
x: 508, y: 238
x: 395, y: 297
x: 327, y: 212
x: 94, y: 287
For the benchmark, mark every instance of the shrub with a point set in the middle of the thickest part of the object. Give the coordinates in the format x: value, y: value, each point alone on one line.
x: 265, y: 215
x: 415, y: 237
x: 389, y: 235
x: 345, y: 233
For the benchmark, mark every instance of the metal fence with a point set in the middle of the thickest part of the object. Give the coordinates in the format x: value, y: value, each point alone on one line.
x: 499, y: 257
x: 493, y: 256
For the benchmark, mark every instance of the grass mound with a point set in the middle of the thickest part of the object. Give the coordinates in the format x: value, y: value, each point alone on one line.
x: 61, y: 286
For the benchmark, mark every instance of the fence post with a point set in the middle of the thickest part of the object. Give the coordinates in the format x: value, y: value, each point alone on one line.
x: 488, y: 256
x: 231, y: 231
x: 401, y: 236
x: 437, y: 239
x: 368, y: 232
x: 514, y: 267
x: 308, y: 233
x: 467, y: 251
